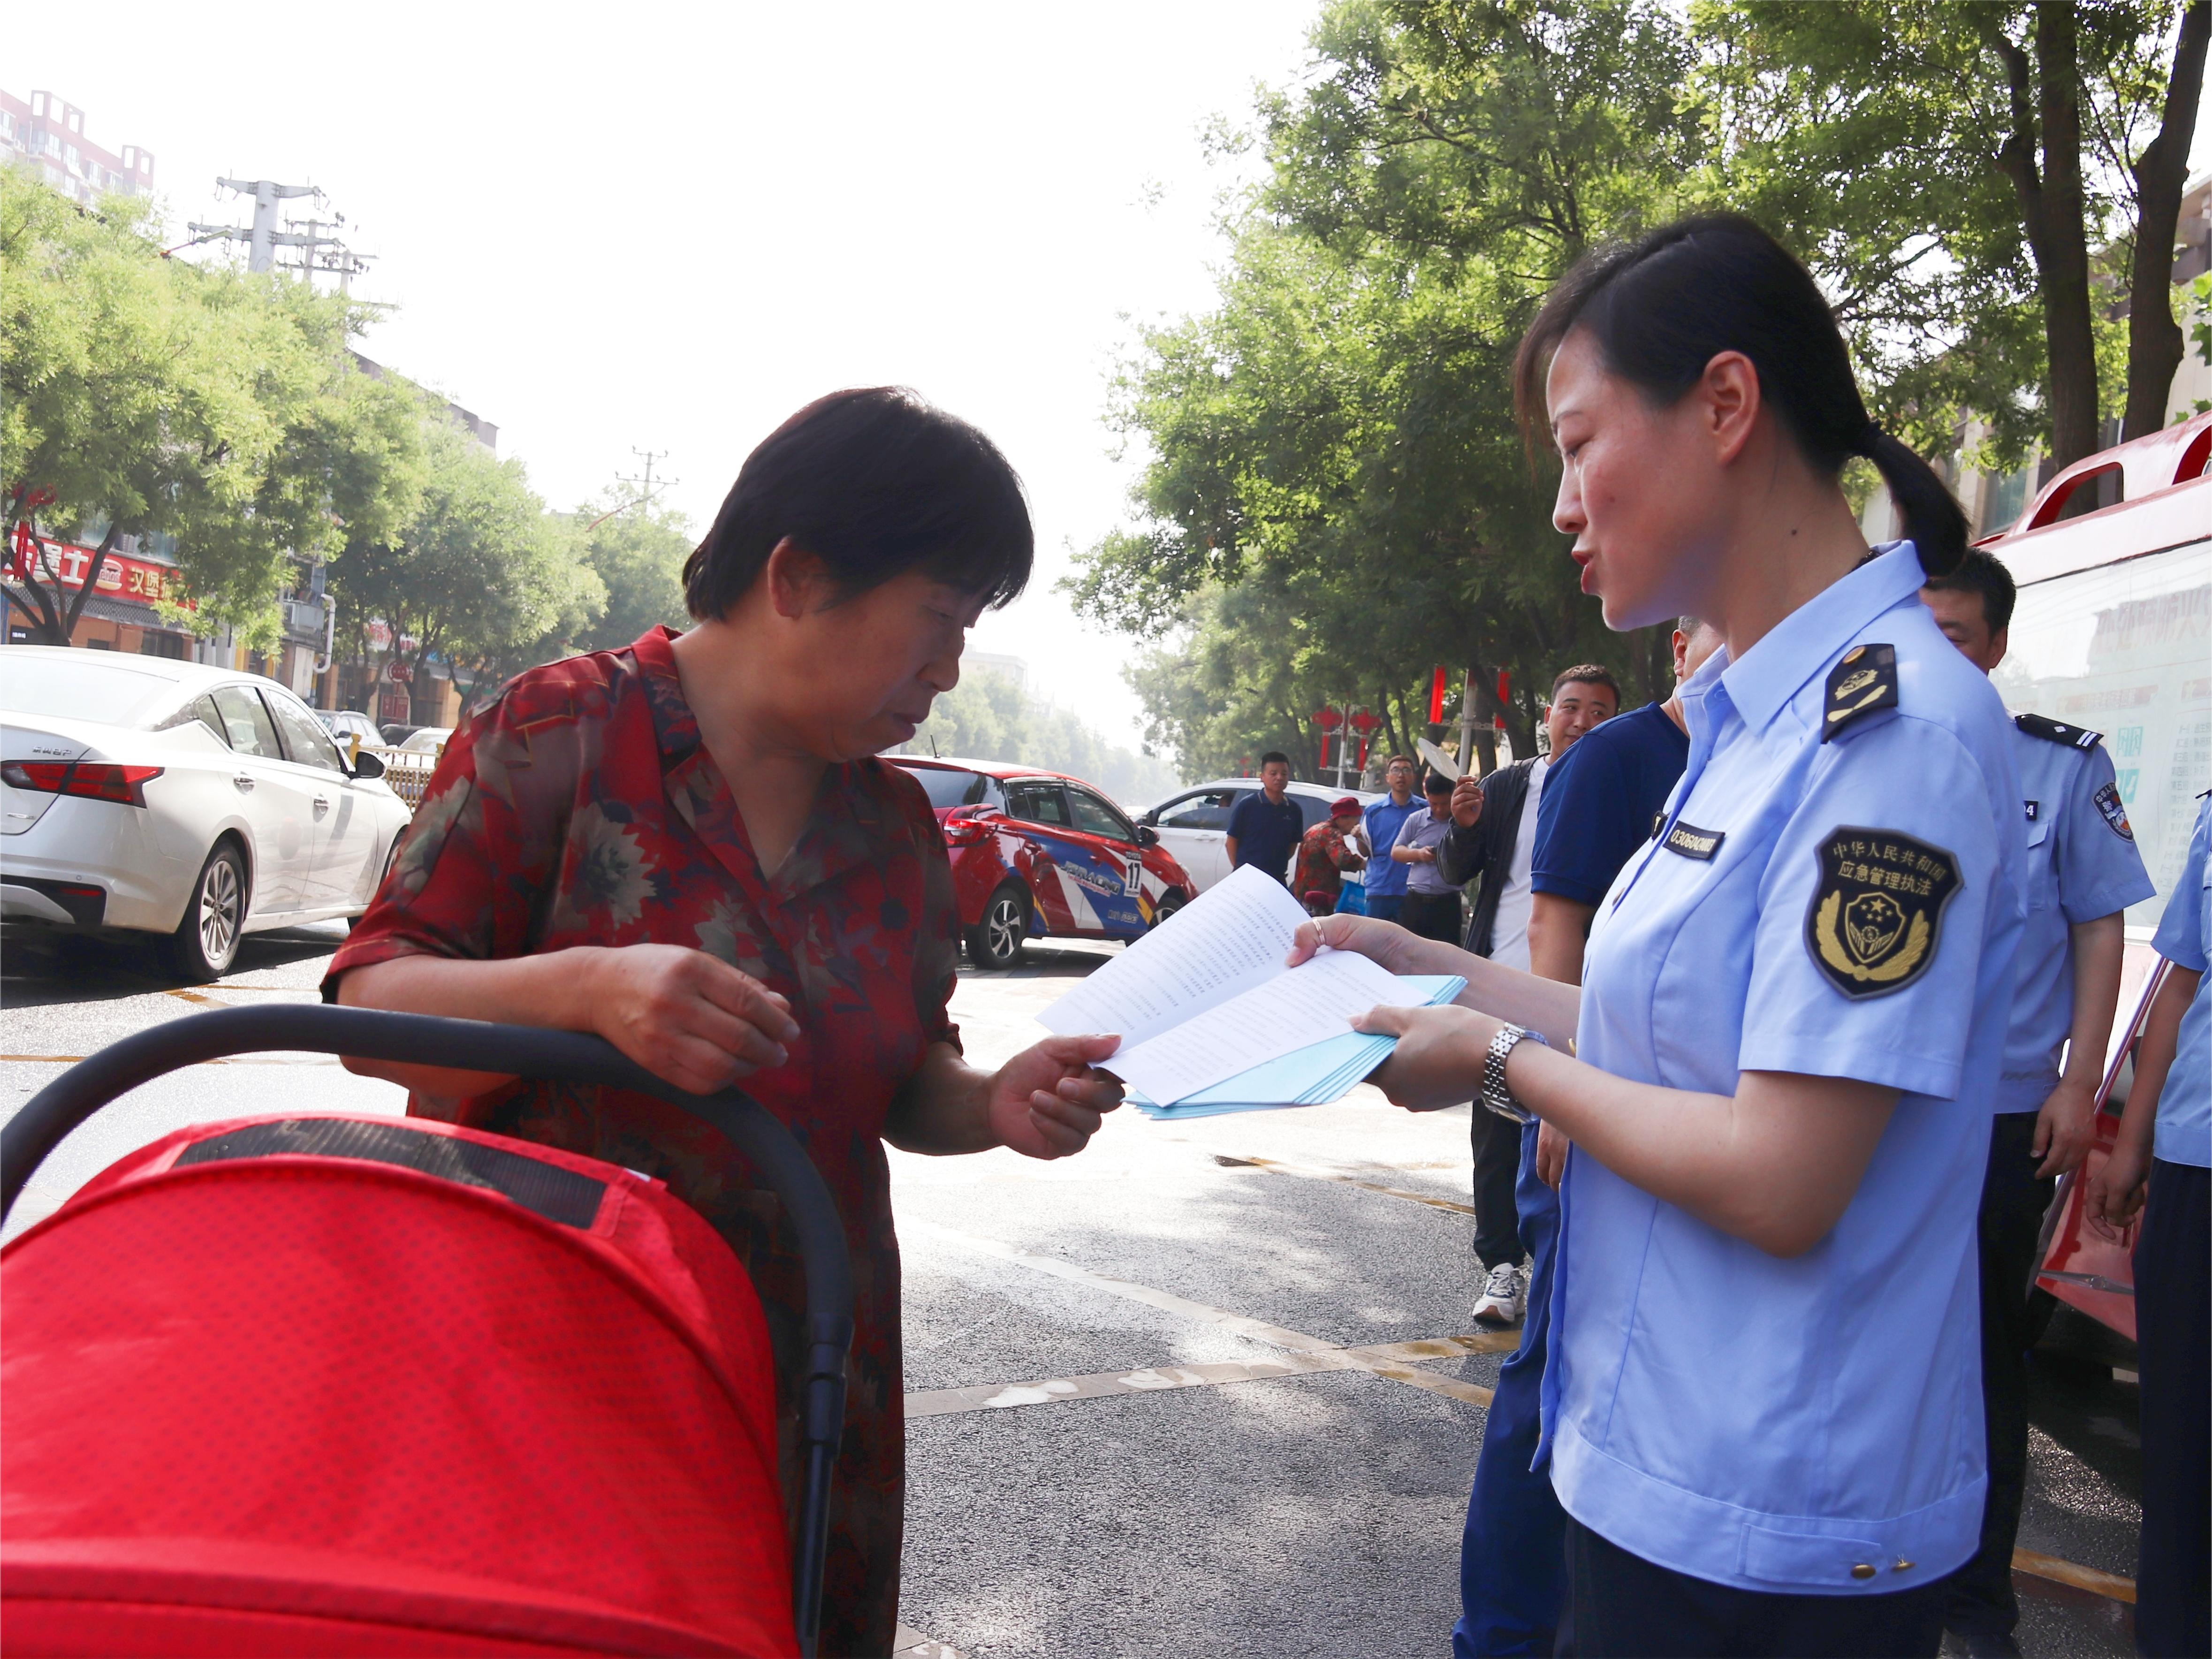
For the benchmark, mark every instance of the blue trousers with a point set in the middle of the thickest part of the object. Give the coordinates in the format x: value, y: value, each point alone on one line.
x: 1512, y: 1558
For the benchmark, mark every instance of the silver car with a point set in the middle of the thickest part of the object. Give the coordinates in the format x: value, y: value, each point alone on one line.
x: 170, y: 798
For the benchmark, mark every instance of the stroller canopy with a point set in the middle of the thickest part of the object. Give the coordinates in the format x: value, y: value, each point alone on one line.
x: 341, y: 1385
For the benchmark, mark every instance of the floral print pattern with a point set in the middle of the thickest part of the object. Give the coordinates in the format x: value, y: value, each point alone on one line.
x: 581, y: 808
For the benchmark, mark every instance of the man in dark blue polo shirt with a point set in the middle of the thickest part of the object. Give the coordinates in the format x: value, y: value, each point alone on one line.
x: 1265, y: 827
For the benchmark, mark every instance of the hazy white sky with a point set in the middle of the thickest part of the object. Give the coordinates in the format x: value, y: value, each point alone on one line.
x: 669, y: 226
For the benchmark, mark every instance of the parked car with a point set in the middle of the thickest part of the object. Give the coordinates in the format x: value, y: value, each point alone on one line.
x: 172, y: 798
x: 344, y: 725
x: 1036, y: 853
x: 1193, y: 823
x: 426, y: 740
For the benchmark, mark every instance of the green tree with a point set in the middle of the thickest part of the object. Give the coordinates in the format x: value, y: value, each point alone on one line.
x: 988, y: 717
x: 1980, y: 183
x: 638, y: 556
x: 479, y: 573
x: 1334, y: 451
x: 142, y: 396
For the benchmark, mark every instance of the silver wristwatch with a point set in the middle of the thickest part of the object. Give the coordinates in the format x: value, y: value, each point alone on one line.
x: 1495, y: 1095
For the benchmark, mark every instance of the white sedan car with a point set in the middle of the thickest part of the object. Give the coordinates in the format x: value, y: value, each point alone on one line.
x: 171, y: 797
x: 1193, y: 822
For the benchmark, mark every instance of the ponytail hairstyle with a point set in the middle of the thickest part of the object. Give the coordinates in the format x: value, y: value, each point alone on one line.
x: 1660, y: 309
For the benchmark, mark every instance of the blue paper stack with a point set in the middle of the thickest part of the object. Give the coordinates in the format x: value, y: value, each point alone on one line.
x: 1311, y: 1076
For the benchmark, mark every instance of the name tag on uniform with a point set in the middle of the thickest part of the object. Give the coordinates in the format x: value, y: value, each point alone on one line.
x: 1692, y: 842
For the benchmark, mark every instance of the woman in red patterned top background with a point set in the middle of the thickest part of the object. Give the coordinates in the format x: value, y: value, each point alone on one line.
x: 688, y: 847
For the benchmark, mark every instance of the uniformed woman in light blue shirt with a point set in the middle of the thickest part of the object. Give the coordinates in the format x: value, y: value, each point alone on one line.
x: 1763, y: 1410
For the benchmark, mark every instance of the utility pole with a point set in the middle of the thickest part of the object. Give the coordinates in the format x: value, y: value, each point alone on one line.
x: 646, y: 488
x: 317, y: 250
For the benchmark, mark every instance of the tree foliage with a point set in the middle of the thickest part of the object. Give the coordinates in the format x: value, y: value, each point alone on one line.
x: 638, y: 556
x: 478, y: 573
x: 988, y: 716
x: 140, y: 396
x: 1336, y: 497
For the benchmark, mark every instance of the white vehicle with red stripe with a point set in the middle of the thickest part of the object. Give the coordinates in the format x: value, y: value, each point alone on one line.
x: 170, y: 798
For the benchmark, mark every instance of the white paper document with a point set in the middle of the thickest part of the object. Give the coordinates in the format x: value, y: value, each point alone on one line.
x: 1207, y: 997
x: 1232, y: 937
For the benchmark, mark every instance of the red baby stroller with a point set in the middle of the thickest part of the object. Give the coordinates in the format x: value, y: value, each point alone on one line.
x: 369, y: 1386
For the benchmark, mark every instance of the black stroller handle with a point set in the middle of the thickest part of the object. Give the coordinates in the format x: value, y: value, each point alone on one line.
x: 522, y: 1051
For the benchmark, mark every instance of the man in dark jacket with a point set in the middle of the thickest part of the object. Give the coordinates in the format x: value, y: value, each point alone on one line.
x: 1491, y: 839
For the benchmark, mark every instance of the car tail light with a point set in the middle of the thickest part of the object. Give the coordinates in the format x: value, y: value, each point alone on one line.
x: 94, y: 780
x: 964, y: 832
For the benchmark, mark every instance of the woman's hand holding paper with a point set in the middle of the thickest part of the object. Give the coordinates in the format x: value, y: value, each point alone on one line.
x: 1438, y: 1060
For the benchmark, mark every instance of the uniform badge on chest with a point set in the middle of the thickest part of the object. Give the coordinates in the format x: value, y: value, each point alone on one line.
x: 1878, y: 910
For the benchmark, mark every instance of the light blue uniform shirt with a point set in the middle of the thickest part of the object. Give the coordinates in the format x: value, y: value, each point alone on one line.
x: 1775, y: 1425
x: 2183, y: 1134
x: 2082, y: 864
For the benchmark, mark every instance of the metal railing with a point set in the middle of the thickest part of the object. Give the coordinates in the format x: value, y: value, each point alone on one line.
x: 406, y: 770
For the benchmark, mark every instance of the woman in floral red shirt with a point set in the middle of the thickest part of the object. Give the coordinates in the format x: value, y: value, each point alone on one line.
x: 687, y: 847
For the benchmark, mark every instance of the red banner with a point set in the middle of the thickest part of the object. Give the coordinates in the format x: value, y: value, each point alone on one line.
x: 1436, y: 696
x: 66, y: 563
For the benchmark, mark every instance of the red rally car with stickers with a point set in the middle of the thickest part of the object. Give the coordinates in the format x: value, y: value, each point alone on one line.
x: 1036, y: 853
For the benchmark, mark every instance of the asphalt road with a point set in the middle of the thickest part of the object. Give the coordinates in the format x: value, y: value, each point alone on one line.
x: 1210, y: 1388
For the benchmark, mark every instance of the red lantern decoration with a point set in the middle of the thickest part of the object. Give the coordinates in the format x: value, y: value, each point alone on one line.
x: 1365, y: 721
x: 1327, y: 719
x: 1504, y: 686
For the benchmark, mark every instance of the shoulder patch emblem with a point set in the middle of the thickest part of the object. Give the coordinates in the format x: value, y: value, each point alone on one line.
x: 1864, y: 681
x: 2108, y: 803
x: 1692, y: 842
x: 1878, y: 909
x: 2072, y: 736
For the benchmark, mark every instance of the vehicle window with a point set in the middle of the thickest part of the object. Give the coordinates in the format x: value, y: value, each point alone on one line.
x: 1036, y: 803
x: 305, y: 740
x: 1312, y: 808
x: 1207, y: 810
x: 246, y: 726
x: 200, y: 708
x: 948, y: 786
x: 1095, y: 817
x: 85, y: 688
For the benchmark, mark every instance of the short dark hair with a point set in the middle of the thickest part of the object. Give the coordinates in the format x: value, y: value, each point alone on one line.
x: 1588, y: 673
x: 874, y: 482
x: 1662, y: 308
x: 1271, y: 757
x: 1436, y: 783
x: 1979, y: 572
x: 1395, y: 759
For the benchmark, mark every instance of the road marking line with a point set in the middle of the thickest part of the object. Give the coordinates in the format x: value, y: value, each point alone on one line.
x: 194, y: 996
x: 1383, y: 1359
x: 2073, y: 1574
x: 1387, y: 1360
x: 913, y: 1644
x: 1312, y: 1173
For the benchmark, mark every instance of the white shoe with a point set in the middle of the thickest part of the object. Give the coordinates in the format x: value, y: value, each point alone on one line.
x: 1502, y: 1297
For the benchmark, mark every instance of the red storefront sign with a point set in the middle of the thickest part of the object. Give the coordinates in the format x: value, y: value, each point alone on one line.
x: 119, y: 578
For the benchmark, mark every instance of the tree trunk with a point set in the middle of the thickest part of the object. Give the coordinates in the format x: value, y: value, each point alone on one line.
x: 54, y: 615
x: 2046, y: 95
x: 2154, y: 340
